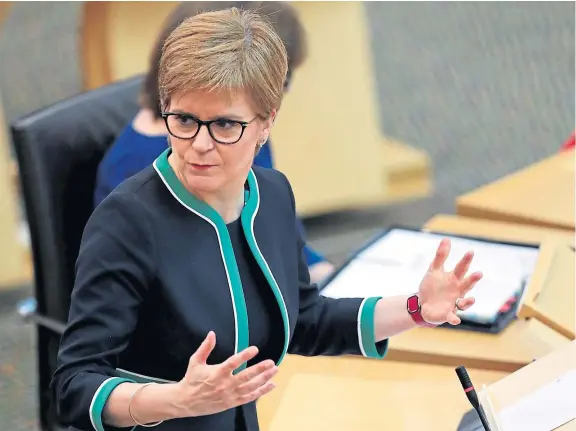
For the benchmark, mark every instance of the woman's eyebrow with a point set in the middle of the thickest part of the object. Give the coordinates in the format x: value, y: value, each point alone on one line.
x: 233, y: 117
x: 225, y: 116
x: 182, y: 112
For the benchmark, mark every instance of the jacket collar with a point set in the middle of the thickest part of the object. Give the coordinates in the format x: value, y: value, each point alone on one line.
x: 191, y: 202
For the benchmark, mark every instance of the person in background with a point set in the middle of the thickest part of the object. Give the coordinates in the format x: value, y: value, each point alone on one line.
x: 145, y: 138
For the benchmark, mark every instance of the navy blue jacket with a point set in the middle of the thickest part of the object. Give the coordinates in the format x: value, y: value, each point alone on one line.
x: 156, y: 272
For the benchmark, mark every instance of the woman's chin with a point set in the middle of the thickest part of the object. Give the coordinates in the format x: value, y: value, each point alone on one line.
x: 203, y: 184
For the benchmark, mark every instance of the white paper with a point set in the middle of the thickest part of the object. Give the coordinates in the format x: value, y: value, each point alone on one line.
x: 396, y: 263
x: 363, y: 279
x: 544, y: 409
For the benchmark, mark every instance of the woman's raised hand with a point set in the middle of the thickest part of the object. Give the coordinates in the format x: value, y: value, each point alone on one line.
x: 442, y: 292
x: 208, y: 389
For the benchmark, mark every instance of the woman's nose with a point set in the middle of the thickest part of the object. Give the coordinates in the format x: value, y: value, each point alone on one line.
x: 203, y: 141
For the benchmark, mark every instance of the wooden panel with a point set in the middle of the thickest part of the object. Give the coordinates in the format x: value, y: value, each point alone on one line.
x: 13, y: 269
x: 352, y: 393
x: 551, y: 293
x: 131, y: 31
x: 94, y: 46
x: 542, y: 194
x: 328, y: 123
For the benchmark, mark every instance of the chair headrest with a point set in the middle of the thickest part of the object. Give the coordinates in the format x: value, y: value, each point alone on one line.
x: 58, y: 149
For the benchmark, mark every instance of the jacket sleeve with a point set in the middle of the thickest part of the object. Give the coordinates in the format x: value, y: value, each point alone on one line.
x: 328, y: 326
x: 113, y: 272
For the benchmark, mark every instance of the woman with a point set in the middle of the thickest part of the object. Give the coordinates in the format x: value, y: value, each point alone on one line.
x: 191, y: 283
x: 144, y: 138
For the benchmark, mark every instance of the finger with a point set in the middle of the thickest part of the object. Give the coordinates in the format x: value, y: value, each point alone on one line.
x: 249, y: 373
x: 441, y: 255
x: 200, y: 356
x: 256, y: 382
x: 462, y: 267
x: 236, y: 360
x: 453, y: 319
x: 466, y: 303
x: 253, y: 396
x: 469, y: 282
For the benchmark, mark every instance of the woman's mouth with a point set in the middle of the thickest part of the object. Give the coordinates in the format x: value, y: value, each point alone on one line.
x: 200, y: 166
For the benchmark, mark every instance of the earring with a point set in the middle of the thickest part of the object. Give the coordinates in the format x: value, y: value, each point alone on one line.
x: 262, y: 141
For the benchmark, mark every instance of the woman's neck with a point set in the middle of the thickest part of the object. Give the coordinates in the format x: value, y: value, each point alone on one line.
x: 228, y: 208
x: 228, y: 202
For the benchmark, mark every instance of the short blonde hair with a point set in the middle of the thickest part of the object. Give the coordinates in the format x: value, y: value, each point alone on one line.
x: 226, y: 51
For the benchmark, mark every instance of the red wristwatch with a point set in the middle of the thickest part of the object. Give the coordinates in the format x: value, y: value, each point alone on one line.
x: 414, y: 309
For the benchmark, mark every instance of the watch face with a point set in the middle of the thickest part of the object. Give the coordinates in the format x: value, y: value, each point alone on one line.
x: 413, y: 304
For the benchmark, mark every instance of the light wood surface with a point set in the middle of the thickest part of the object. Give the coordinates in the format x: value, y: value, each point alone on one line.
x: 96, y: 42
x: 543, y: 194
x: 327, y: 138
x: 353, y: 393
x: 551, y: 293
x: 511, y: 388
x: 498, y: 230
x: 519, y: 344
x: 13, y: 270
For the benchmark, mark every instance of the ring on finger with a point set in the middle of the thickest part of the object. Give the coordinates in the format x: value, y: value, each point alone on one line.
x: 457, y: 302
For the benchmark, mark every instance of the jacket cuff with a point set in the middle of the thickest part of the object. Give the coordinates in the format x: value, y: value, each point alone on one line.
x: 366, y: 333
x: 99, y: 401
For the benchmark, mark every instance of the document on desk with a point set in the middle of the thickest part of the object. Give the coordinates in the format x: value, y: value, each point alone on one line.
x: 396, y: 263
x: 545, y: 409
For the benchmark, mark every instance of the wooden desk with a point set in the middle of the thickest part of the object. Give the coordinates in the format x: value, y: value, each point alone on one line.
x: 511, y: 388
x: 499, y: 230
x: 542, y: 194
x: 516, y: 346
x: 350, y: 393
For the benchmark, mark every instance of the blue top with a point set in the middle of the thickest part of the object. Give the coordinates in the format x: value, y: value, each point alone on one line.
x: 133, y: 151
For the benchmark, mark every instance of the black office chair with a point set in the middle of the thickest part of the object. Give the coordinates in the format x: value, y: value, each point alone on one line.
x: 58, y: 149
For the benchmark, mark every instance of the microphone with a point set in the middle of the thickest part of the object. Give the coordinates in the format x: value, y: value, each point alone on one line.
x: 471, y: 395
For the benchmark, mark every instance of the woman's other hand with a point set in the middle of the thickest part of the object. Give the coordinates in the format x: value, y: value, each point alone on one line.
x: 440, y: 289
x: 208, y: 389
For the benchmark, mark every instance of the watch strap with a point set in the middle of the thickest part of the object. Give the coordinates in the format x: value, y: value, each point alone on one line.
x: 415, y: 310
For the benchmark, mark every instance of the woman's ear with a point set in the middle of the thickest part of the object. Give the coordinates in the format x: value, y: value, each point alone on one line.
x: 267, y: 125
x: 269, y: 122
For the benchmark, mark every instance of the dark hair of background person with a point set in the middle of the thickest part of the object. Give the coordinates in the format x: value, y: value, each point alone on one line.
x: 280, y: 14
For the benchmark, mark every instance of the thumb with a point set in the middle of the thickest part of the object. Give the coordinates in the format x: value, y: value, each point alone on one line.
x: 200, y: 356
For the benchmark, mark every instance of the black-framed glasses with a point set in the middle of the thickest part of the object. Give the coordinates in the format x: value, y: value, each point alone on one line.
x: 222, y: 130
